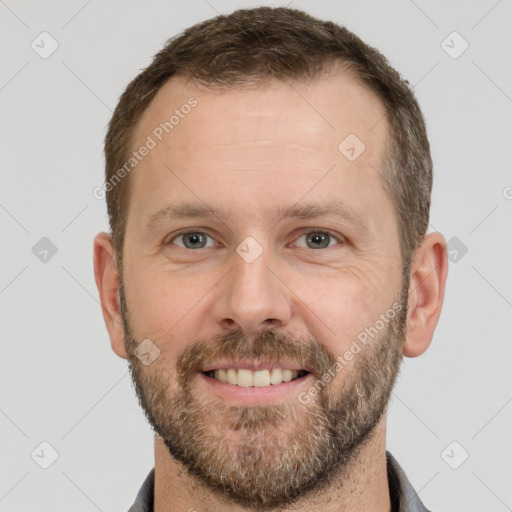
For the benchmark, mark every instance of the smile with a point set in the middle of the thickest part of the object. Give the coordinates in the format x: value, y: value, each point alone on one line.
x: 255, y: 378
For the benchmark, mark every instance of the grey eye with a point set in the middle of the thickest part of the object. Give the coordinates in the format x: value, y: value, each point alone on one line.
x: 317, y: 240
x: 192, y: 240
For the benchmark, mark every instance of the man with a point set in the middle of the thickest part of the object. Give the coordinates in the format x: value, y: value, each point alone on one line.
x: 268, y: 183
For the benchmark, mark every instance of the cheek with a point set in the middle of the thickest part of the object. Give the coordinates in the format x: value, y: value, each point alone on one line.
x: 163, y: 306
x: 336, y: 310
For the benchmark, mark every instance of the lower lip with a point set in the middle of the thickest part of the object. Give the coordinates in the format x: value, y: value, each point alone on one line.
x: 255, y: 395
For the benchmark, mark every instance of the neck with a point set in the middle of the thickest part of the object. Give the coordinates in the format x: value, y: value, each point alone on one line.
x: 363, y: 486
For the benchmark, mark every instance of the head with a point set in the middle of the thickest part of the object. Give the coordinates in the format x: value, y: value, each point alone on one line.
x: 277, y: 215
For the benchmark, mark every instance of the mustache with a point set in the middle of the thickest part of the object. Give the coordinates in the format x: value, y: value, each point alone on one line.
x: 269, y: 345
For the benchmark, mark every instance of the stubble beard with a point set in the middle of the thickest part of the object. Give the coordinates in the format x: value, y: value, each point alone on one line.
x: 268, y: 457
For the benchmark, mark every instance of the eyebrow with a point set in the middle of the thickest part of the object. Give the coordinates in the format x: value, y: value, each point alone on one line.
x: 182, y: 210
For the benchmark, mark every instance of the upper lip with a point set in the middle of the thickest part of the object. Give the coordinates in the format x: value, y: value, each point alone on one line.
x: 253, y: 365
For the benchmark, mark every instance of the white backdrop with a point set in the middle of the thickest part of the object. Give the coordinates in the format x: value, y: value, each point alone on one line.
x: 60, y: 382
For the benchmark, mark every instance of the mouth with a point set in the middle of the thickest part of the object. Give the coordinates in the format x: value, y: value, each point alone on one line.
x: 246, y: 378
x: 252, y: 382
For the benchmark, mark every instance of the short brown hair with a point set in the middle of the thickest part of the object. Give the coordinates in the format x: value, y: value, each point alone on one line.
x: 253, y: 46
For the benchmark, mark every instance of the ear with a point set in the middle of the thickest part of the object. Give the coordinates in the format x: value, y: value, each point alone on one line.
x: 107, y: 281
x: 429, y: 270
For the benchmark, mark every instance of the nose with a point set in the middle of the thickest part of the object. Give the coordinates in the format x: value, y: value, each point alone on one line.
x: 253, y: 297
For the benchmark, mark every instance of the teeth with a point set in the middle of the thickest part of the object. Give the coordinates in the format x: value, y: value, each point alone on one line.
x: 276, y: 376
x: 232, y: 376
x: 221, y: 375
x: 287, y: 375
x: 260, y: 378
x: 244, y: 378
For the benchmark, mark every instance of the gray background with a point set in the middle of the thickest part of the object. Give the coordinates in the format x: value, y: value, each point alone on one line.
x: 60, y: 381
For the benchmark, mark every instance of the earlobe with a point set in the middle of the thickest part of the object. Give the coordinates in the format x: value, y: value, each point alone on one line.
x: 107, y: 281
x: 429, y: 271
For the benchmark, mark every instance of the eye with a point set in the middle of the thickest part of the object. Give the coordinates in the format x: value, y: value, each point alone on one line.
x: 192, y: 240
x: 318, y: 240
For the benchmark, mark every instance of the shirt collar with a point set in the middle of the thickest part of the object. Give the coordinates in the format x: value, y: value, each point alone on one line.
x: 403, y: 496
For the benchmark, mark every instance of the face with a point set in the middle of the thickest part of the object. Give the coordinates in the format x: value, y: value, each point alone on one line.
x: 254, y: 244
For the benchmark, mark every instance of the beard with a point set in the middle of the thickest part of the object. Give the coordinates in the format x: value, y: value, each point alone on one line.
x: 269, y: 456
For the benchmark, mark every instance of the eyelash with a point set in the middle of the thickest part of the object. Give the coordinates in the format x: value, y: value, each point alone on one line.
x: 339, y: 238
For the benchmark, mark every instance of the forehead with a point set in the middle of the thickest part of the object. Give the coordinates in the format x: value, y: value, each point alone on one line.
x: 275, y: 140
x: 318, y: 114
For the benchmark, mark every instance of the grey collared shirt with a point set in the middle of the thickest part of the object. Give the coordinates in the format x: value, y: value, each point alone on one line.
x: 403, y: 496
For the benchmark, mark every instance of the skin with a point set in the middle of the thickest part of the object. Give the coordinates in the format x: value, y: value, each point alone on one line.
x: 247, y: 152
